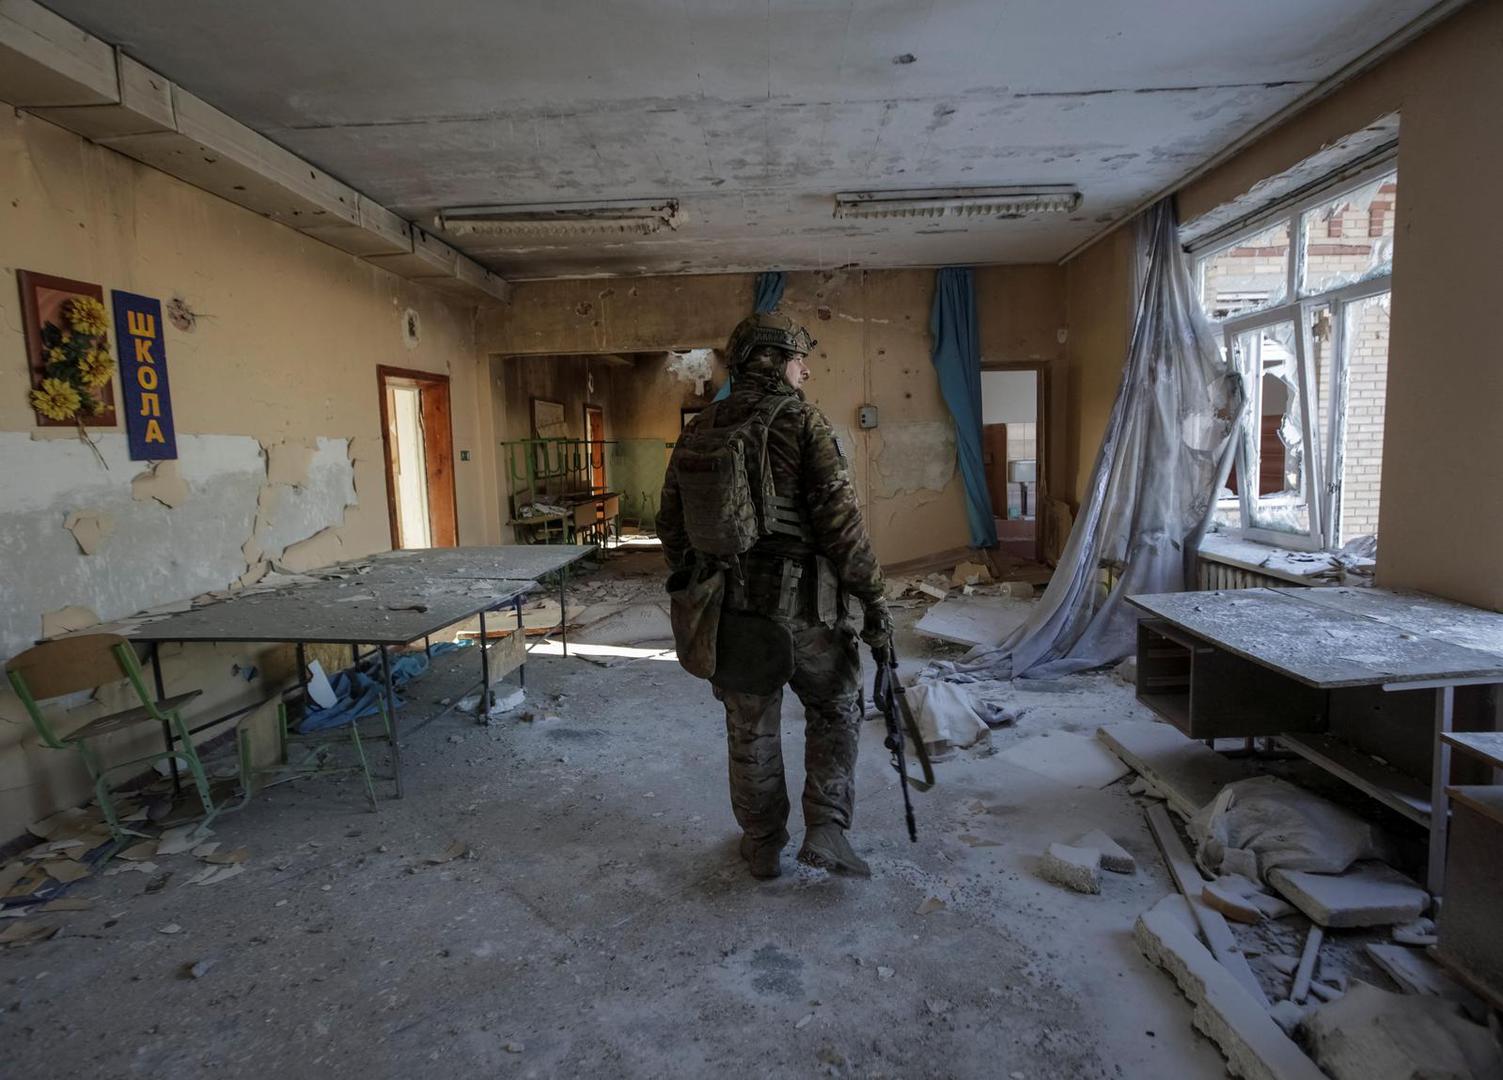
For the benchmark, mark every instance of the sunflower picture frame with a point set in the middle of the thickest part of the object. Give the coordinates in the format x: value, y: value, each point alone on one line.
x: 67, y: 330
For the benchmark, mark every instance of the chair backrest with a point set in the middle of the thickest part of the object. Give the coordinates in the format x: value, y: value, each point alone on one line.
x: 520, y: 498
x: 69, y: 664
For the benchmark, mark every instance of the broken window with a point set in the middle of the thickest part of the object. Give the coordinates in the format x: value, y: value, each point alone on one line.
x: 1312, y: 348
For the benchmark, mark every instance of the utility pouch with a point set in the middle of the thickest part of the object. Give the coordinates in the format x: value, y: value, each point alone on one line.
x: 695, y: 597
x: 754, y: 654
x: 826, y: 591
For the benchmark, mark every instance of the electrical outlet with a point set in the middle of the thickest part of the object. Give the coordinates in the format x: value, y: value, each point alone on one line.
x: 866, y: 417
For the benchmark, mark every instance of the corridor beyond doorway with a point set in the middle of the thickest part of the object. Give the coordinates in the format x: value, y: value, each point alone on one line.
x: 1010, y: 451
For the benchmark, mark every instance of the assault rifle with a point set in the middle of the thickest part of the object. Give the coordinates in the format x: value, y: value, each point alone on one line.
x: 890, y: 697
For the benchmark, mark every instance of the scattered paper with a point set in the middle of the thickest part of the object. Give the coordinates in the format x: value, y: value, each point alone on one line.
x: 454, y: 851
x: 144, y: 850
x: 68, y: 903
x: 146, y: 867
x: 205, y: 850
x: 226, y: 858
x: 25, y: 933
x: 213, y: 875
x: 170, y: 928
x: 932, y: 904
x: 65, y: 870
x: 319, y: 688
x: 181, y: 839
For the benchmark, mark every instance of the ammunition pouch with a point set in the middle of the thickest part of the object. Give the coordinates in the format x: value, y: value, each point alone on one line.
x: 695, y: 597
x: 754, y: 654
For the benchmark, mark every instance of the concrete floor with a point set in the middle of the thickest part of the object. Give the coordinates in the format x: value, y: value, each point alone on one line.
x: 602, y: 924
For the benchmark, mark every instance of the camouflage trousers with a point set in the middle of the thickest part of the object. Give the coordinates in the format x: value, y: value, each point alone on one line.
x: 826, y: 678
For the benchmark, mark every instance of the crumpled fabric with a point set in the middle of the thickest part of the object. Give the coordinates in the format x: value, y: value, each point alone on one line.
x: 1264, y: 823
x: 1166, y: 447
x: 953, y: 716
x: 359, y: 691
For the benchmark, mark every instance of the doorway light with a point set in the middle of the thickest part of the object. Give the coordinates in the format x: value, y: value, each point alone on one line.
x: 631, y: 216
x: 998, y: 202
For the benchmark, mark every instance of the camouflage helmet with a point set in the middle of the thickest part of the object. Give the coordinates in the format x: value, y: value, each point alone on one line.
x: 756, y: 331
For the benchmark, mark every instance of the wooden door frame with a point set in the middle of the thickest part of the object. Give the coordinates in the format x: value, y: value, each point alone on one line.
x: 588, y: 408
x: 1040, y: 368
x: 440, y: 524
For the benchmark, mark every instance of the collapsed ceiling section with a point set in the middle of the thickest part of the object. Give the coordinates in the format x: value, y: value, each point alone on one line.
x: 748, y: 119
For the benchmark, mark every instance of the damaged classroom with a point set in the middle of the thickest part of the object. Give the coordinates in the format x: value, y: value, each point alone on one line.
x: 852, y: 538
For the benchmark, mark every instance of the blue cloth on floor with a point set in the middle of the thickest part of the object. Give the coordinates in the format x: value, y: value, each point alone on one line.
x: 359, y: 691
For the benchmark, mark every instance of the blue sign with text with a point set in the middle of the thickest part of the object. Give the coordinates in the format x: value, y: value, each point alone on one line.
x: 143, y: 377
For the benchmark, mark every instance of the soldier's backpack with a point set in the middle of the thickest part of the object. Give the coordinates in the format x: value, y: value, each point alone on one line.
x: 724, y: 495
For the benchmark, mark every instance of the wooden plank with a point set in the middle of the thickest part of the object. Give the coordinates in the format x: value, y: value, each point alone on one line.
x: 1188, y: 773
x: 1485, y: 799
x: 1302, y: 974
x: 1188, y: 879
x: 1393, y: 789
x: 1317, y: 645
x: 1487, y: 745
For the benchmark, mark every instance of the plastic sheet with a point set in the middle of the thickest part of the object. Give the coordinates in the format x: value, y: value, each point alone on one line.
x: 1167, y: 446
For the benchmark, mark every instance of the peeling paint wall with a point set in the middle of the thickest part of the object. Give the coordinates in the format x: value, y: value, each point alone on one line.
x: 873, y: 334
x: 275, y: 400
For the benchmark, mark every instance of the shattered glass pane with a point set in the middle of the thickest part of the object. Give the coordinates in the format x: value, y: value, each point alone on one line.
x: 1360, y: 453
x: 1350, y: 238
x: 1275, y: 451
x: 1250, y: 274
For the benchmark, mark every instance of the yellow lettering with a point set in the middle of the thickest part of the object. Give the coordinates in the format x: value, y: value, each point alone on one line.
x: 141, y: 324
x: 147, y: 377
x: 154, y: 432
x: 143, y: 351
x: 151, y: 405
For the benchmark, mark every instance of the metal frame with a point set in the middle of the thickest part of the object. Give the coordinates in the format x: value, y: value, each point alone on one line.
x: 1323, y: 467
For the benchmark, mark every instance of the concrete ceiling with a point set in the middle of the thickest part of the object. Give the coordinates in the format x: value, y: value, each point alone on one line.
x: 751, y: 114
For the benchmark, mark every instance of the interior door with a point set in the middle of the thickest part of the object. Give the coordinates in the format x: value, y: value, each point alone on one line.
x: 994, y: 458
x: 417, y: 430
x: 594, y: 417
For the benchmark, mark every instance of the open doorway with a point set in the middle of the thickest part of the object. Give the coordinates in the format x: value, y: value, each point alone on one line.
x: 417, y: 431
x: 594, y: 423
x: 1011, y: 404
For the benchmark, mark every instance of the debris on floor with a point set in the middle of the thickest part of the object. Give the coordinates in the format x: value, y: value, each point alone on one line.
x: 1077, y: 868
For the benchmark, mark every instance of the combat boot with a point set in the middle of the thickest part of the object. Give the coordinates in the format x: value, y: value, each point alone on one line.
x: 826, y: 847
x: 763, y: 854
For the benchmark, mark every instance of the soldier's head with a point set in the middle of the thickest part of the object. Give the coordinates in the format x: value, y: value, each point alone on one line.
x: 771, y: 344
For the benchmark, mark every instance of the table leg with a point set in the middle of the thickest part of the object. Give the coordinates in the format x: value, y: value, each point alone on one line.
x: 1440, y: 775
x: 563, y: 607
x: 161, y: 689
x: 485, y: 675
x: 521, y: 633
x: 391, y: 713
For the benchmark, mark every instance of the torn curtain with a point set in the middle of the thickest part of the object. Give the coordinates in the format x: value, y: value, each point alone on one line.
x: 955, y: 348
x: 1162, y: 458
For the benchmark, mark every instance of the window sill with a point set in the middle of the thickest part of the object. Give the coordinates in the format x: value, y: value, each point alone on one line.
x: 1295, y: 567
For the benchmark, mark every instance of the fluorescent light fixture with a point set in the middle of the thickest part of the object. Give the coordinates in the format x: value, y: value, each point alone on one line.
x: 629, y: 216
x: 997, y: 202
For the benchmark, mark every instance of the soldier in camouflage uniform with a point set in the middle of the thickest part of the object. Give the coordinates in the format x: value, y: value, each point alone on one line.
x: 820, y: 543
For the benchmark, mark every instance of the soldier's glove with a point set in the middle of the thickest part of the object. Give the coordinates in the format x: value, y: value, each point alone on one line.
x: 876, y: 631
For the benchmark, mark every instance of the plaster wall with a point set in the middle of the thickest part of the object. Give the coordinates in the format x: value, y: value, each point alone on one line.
x: 275, y: 400
x: 1442, y: 442
x: 873, y: 348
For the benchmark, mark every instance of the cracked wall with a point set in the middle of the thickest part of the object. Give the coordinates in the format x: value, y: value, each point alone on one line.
x: 274, y: 393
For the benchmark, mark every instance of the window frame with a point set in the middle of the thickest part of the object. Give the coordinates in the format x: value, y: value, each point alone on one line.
x: 1324, y: 475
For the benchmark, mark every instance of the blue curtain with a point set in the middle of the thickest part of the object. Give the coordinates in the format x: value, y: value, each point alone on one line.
x: 957, y: 361
x: 769, y: 291
x: 769, y: 295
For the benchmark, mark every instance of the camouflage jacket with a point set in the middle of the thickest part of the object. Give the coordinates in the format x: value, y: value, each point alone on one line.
x: 809, y: 469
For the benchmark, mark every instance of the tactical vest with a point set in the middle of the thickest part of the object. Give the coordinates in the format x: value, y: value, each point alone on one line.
x: 725, y: 484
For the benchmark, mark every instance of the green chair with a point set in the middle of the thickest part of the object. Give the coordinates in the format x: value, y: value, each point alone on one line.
x: 85, y: 662
x: 317, y: 744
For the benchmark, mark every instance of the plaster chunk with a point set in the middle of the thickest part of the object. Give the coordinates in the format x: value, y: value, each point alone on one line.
x: 162, y: 483
x: 1370, y: 1034
x: 1114, y: 856
x: 1073, y: 867
x: 89, y: 528
x: 66, y: 620
x: 1255, y: 1046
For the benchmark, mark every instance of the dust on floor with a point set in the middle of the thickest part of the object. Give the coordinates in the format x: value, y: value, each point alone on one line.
x: 601, y: 923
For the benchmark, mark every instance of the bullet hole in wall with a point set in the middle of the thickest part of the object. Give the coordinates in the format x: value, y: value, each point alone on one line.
x: 180, y: 315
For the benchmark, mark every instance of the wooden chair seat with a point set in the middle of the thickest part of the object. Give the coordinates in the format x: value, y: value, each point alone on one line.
x: 127, y: 718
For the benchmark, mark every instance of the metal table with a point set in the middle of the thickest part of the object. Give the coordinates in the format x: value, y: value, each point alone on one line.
x: 1321, y: 669
x: 386, y: 601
